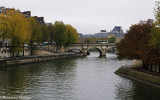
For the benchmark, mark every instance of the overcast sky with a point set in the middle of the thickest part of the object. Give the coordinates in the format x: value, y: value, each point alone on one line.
x: 88, y: 16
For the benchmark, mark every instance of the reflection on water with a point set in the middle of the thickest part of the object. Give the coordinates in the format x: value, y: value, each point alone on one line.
x: 86, y: 78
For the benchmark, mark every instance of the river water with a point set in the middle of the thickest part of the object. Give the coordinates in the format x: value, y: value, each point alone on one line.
x: 85, y: 78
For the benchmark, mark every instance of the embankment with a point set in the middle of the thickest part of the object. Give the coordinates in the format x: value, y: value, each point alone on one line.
x: 139, y: 76
x: 35, y: 59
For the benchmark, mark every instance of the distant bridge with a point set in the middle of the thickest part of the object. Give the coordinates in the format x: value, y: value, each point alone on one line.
x: 85, y: 47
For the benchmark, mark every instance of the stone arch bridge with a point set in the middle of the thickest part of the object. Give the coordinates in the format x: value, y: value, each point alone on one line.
x: 85, y: 47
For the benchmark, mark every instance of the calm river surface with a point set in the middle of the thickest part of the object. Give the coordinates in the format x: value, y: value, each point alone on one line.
x: 86, y: 78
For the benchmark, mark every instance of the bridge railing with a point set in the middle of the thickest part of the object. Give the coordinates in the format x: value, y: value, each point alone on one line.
x: 81, y: 44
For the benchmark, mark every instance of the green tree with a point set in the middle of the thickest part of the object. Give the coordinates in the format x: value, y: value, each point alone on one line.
x: 112, y: 40
x: 59, y: 34
x: 155, y: 42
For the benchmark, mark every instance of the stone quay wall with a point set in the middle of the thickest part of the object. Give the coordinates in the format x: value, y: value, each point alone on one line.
x: 35, y: 59
x: 128, y: 72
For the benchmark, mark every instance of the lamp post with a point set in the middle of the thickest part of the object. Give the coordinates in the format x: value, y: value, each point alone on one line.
x: 23, y: 48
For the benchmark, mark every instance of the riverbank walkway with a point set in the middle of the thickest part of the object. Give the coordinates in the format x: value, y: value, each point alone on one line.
x: 141, y: 69
x: 140, y: 74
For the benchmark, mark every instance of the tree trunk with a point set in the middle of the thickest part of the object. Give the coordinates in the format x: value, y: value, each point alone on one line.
x: 13, y: 54
x: 31, y: 43
x: 151, y: 67
x: 144, y: 66
x: 159, y: 68
x: 13, y: 51
x: 10, y: 51
x: 23, y: 49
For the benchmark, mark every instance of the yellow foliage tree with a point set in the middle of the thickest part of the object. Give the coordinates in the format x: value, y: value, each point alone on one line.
x: 72, y: 35
x: 36, y: 32
x: 15, y: 27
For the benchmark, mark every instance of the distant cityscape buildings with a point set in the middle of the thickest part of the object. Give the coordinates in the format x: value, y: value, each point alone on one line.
x: 117, y: 32
x: 27, y: 13
x: 2, y: 9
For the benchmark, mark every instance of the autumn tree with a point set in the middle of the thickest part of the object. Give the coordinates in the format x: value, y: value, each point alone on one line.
x: 72, y: 35
x: 136, y: 44
x: 122, y: 48
x: 15, y: 27
x: 145, y: 51
x: 36, y: 32
x: 130, y: 45
x: 46, y: 32
x: 49, y: 33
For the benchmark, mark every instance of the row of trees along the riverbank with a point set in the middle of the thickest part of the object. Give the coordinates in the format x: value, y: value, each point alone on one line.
x: 142, y: 41
x: 19, y: 29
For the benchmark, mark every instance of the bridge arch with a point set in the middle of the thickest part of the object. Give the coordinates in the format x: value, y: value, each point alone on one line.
x: 99, y: 50
x: 72, y: 49
x: 111, y: 49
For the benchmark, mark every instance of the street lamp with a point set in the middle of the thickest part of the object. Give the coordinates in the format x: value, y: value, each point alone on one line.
x: 23, y: 48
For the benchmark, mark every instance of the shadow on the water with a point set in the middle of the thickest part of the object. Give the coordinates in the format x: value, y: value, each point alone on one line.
x: 3, y: 68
